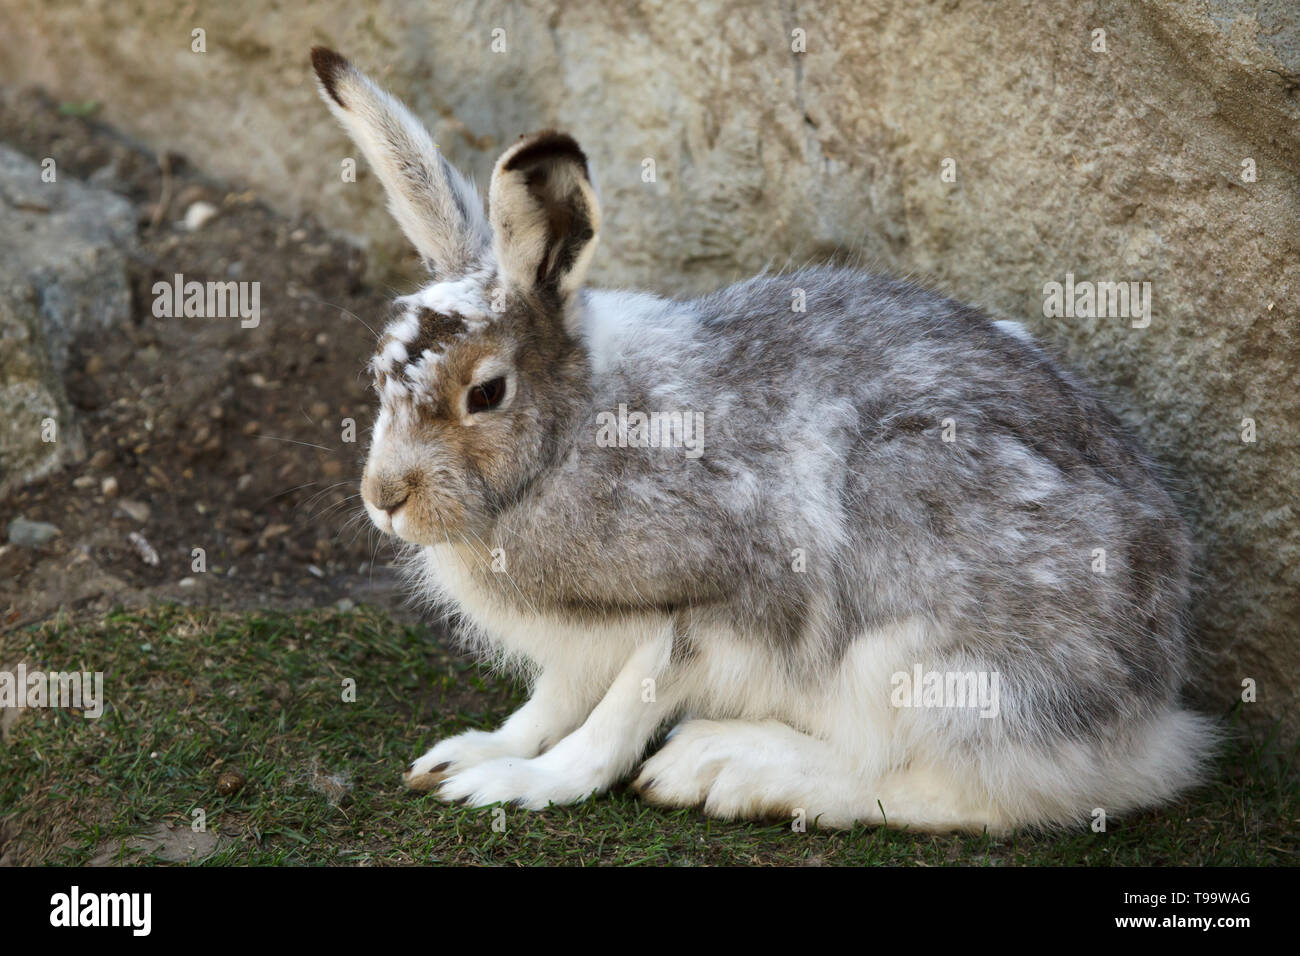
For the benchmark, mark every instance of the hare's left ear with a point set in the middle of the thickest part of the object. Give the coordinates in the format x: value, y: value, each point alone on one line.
x: 544, y: 216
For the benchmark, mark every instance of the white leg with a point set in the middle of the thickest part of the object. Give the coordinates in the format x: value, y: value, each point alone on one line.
x: 591, y: 758
x: 558, y: 705
x: 767, y: 770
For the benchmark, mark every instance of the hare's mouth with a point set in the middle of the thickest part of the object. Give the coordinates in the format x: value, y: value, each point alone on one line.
x: 406, y: 521
x: 386, y: 520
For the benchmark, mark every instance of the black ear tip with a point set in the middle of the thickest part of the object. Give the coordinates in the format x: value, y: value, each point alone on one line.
x: 548, y: 146
x: 329, y: 67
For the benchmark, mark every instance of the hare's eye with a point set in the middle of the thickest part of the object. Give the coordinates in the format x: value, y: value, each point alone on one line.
x: 485, y: 397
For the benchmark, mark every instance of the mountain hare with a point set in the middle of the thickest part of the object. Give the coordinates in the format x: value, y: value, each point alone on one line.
x: 877, y: 559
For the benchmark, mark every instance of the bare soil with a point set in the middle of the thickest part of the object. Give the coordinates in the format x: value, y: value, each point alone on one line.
x: 219, y: 437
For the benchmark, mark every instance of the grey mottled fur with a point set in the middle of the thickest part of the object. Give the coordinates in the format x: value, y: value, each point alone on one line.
x: 990, y: 536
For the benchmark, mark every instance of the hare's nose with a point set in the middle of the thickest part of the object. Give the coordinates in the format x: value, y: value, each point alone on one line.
x: 384, y: 491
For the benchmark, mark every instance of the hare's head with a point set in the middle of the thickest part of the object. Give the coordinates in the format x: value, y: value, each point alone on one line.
x: 478, y: 371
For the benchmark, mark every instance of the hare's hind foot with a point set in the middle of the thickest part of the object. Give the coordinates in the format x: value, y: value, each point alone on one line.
x: 766, y: 770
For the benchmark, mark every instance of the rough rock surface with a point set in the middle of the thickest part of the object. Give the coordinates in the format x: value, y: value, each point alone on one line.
x: 1173, y: 157
x: 63, y: 249
x: 199, y: 432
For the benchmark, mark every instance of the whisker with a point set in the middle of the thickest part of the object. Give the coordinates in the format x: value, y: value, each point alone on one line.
x: 283, y: 493
x: 294, y: 441
x: 324, y: 491
x: 333, y: 305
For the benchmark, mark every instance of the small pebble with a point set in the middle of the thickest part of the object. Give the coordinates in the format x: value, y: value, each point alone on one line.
x: 199, y: 215
x: 135, y: 510
x: 31, y: 534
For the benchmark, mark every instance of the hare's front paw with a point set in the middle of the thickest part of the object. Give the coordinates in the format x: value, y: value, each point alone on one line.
x: 456, y: 754
x: 532, y: 784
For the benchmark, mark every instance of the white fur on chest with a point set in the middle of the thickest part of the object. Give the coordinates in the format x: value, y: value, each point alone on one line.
x: 504, y: 623
x: 728, y: 675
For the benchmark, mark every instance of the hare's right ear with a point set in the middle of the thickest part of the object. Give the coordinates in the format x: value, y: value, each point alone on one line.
x: 436, y: 207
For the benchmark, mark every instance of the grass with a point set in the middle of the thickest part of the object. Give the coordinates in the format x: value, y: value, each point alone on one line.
x: 196, y: 694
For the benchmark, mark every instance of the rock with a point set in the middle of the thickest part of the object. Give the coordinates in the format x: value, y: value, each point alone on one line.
x: 108, y: 487
x: 63, y: 255
x: 199, y: 215
x: 31, y: 534
x: 1172, y: 157
x: 137, y: 511
x: 172, y: 844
